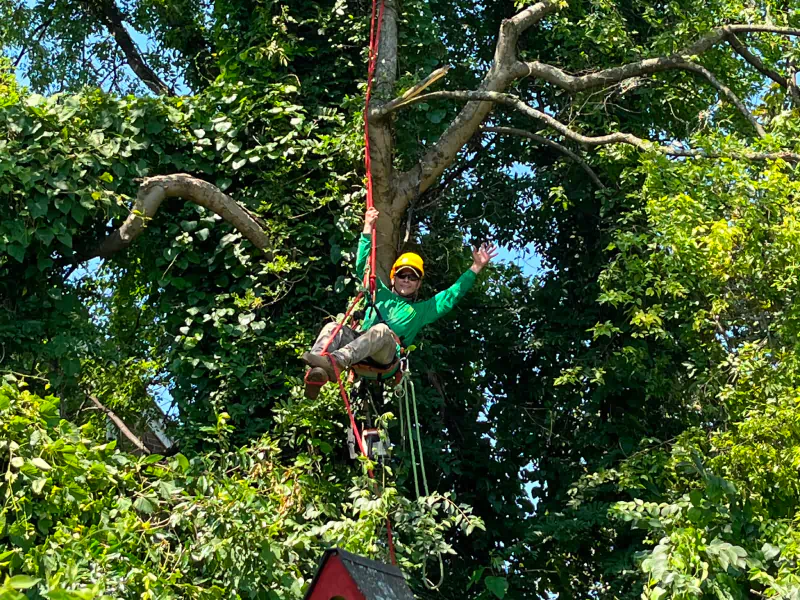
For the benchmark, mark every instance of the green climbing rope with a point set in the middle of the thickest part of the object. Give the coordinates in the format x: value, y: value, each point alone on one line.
x: 407, y: 398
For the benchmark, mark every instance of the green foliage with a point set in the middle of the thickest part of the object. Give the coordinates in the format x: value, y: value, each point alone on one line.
x: 623, y: 424
x: 80, y: 519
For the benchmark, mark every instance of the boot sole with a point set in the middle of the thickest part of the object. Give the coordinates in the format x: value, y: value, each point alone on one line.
x: 315, y: 379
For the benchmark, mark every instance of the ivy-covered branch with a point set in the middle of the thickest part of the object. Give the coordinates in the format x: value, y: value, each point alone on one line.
x: 155, y: 190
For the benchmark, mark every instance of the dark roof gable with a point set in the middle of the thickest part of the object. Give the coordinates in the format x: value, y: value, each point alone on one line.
x: 376, y: 580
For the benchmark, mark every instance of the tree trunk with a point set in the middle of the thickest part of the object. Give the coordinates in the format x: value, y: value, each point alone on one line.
x: 381, y: 139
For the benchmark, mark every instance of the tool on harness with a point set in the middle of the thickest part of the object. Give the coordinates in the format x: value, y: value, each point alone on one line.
x: 377, y: 448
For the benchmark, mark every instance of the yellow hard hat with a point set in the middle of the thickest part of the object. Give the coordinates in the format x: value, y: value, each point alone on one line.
x: 409, y: 259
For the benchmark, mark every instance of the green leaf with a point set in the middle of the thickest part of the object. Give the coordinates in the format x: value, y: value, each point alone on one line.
x: 222, y: 126
x: 65, y: 239
x: 40, y: 464
x: 182, y: 461
x: 17, y: 251
x: 154, y: 127
x: 23, y: 582
x: 497, y: 585
x: 38, y: 485
x: 144, y: 505
x: 45, y: 234
x: 770, y: 551
x: 436, y: 116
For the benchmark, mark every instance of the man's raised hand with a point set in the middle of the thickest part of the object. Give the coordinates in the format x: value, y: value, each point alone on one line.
x: 482, y: 256
x: 370, y: 217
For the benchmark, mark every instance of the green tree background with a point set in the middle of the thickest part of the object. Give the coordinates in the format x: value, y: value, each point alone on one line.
x: 621, y: 424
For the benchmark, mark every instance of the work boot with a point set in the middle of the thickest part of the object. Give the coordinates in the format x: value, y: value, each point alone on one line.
x: 315, y: 379
x: 322, y: 362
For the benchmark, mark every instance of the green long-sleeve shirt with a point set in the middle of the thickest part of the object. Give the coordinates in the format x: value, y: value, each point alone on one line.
x: 403, y: 317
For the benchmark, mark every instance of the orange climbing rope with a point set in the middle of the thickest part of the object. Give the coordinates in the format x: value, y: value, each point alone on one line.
x: 369, y: 279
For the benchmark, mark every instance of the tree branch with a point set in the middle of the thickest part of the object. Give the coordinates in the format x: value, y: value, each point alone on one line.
x: 461, y: 129
x: 381, y: 140
x: 602, y: 140
x: 552, y: 144
x: 124, y: 430
x: 663, y: 64
x: 647, y: 66
x: 108, y: 13
x: 759, y: 65
x: 415, y: 90
x: 727, y: 92
x: 39, y: 33
x: 155, y: 190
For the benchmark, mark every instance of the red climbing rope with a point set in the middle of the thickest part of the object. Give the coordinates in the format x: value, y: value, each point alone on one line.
x: 369, y: 281
x: 374, y: 41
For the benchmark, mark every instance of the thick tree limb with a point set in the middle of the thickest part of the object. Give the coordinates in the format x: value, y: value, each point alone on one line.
x: 155, y: 190
x: 124, y: 430
x: 443, y: 152
x: 108, y: 13
x: 602, y: 140
x: 647, y: 66
x: 759, y: 65
x: 552, y: 144
x: 677, y: 64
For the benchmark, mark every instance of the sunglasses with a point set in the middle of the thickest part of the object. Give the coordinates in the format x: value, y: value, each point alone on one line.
x: 408, y: 276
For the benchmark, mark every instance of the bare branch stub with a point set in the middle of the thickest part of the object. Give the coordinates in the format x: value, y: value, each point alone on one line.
x: 123, y: 428
x: 155, y: 190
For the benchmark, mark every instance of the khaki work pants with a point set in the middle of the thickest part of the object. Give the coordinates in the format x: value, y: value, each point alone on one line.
x: 350, y: 347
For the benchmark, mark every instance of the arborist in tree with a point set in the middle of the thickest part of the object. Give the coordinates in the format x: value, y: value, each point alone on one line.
x: 396, y: 318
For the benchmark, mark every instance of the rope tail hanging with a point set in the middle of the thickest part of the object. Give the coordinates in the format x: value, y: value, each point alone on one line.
x: 407, y: 399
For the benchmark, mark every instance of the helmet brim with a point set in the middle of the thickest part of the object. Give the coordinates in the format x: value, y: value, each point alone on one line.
x: 407, y: 268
